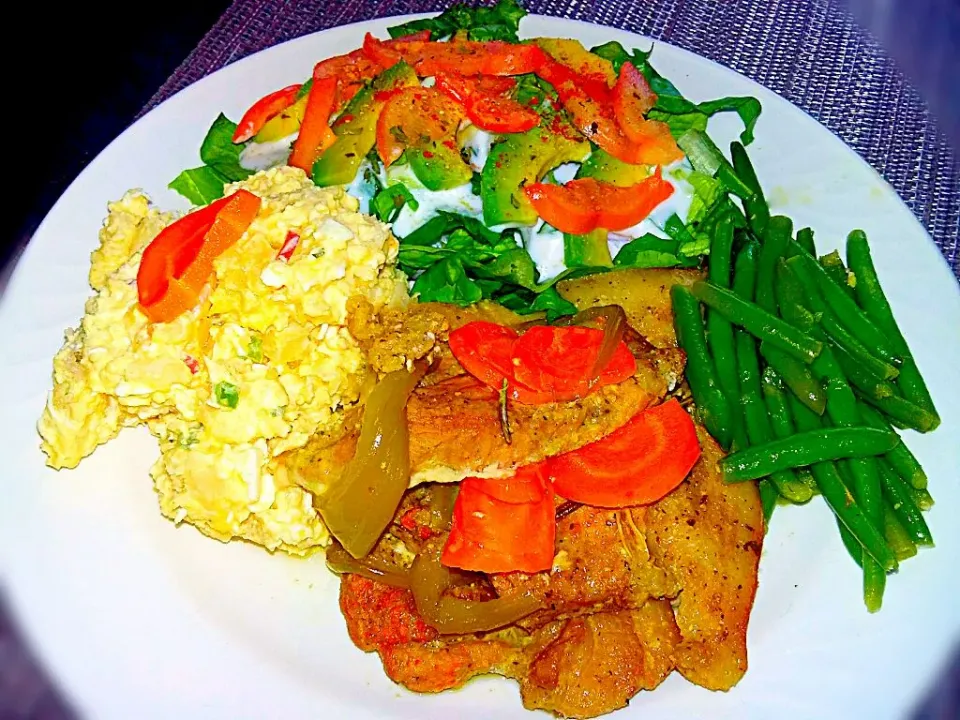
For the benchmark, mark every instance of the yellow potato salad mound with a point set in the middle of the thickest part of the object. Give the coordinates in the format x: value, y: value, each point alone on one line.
x: 263, y: 362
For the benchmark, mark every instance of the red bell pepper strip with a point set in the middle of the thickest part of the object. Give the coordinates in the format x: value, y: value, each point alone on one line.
x: 559, y: 360
x: 583, y: 205
x: 315, y: 134
x: 178, y: 263
x: 632, y: 100
x: 467, y: 57
x: 385, y: 52
x: 568, y: 82
x: 636, y: 464
x: 488, y: 109
x: 352, y: 71
x: 262, y: 110
x: 289, y: 245
x: 414, y: 115
x: 503, y: 525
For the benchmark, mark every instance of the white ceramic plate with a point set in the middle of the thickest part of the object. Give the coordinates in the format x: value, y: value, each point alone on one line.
x: 139, y: 619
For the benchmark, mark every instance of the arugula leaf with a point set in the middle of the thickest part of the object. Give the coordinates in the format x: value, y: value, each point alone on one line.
x: 500, y: 22
x: 219, y: 151
x: 447, y: 282
x: 389, y: 201
x: 200, y: 185
x: 674, y: 109
x: 648, y: 251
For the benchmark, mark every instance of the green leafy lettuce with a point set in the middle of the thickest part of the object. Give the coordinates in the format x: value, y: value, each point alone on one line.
x: 499, y: 22
x: 457, y: 259
x: 672, y: 108
x: 221, y: 165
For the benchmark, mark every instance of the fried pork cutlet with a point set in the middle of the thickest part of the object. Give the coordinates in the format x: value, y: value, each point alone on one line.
x: 454, y: 421
x: 633, y: 595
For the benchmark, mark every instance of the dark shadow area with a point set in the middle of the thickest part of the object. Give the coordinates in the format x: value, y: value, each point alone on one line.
x: 100, y: 68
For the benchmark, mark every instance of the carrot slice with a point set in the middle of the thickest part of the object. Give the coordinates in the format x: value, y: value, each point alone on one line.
x: 584, y: 205
x: 559, y: 361
x: 637, y: 464
x: 503, y: 525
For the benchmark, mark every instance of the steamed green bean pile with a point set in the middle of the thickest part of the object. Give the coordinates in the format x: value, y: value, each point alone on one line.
x: 799, y: 370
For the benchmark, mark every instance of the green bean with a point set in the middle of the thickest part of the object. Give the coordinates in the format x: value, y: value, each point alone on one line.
x: 896, y: 535
x: 922, y: 498
x: 713, y: 408
x: 897, y: 492
x: 873, y: 300
x: 860, y: 377
x: 806, y: 477
x: 846, y: 310
x: 837, y: 271
x: 775, y: 241
x: 755, y: 418
x: 799, y: 488
x: 792, y: 299
x: 806, y: 448
x: 805, y: 241
x: 758, y: 322
x: 842, y: 409
x: 719, y: 330
x: 775, y: 398
x: 842, y: 338
x: 797, y: 377
x: 900, y: 458
x: 854, y: 548
x: 899, y: 409
x: 755, y: 206
x: 836, y: 495
x: 768, y: 500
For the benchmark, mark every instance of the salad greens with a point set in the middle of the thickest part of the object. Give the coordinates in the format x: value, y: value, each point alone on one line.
x: 500, y: 22
x: 674, y: 109
x: 221, y: 165
x: 456, y: 258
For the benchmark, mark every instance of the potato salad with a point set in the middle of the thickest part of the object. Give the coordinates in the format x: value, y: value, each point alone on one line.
x: 260, y: 365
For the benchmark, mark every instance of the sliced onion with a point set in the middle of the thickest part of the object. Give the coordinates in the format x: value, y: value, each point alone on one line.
x: 360, y: 505
x: 340, y: 562
x: 455, y: 616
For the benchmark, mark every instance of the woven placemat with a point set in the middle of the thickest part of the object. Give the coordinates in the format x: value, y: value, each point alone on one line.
x: 810, y: 53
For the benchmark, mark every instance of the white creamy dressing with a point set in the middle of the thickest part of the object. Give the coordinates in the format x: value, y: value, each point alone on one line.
x: 544, y: 243
x: 263, y: 156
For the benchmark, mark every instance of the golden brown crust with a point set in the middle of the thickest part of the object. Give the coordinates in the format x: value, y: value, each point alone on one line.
x: 709, y: 535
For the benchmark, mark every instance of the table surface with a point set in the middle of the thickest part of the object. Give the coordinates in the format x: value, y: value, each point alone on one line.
x: 811, y: 53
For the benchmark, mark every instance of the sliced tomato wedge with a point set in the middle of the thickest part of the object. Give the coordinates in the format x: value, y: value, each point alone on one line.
x: 315, y: 134
x: 632, y: 100
x: 503, y: 525
x: 583, y: 205
x: 262, y: 110
x: 637, y: 464
x: 485, y: 105
x: 559, y: 361
x: 415, y: 116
